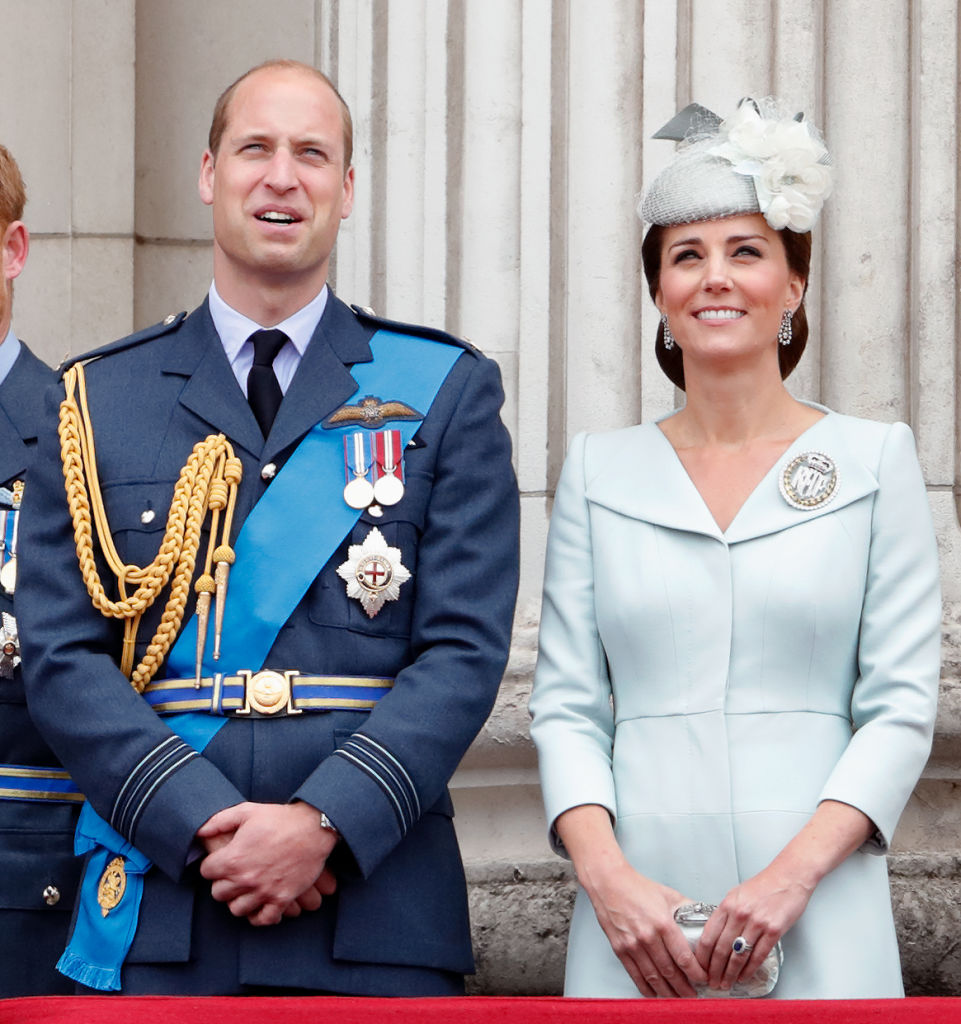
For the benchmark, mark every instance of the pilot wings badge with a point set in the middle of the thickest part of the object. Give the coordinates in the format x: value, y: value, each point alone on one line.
x: 371, y: 412
x: 373, y: 572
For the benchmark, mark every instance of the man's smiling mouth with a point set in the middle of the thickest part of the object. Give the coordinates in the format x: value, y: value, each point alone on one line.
x: 275, y: 217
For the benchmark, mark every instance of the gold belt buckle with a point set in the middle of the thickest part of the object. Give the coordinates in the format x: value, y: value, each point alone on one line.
x: 268, y: 692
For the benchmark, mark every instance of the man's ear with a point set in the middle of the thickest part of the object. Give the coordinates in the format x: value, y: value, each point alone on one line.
x: 205, y: 184
x: 15, y: 245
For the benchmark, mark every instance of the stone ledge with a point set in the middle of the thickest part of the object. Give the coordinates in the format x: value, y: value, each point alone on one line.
x: 520, y: 915
x: 926, y: 894
x: 521, y: 912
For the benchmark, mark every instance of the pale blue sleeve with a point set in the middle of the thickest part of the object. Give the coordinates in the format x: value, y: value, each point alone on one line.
x: 573, y: 720
x: 894, y: 701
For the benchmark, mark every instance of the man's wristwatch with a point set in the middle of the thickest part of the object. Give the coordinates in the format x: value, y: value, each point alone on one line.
x: 327, y: 825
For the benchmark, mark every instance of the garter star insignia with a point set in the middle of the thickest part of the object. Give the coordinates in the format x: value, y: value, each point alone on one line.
x: 373, y: 572
x: 809, y: 481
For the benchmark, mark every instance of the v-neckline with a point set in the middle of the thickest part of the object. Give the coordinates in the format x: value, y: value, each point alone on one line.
x: 827, y: 413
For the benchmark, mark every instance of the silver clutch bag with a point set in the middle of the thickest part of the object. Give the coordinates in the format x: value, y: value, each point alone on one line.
x: 691, y: 917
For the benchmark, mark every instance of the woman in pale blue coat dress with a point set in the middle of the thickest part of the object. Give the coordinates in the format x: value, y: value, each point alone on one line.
x: 739, y: 649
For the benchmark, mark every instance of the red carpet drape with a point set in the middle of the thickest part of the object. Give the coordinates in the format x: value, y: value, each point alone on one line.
x: 471, y: 1010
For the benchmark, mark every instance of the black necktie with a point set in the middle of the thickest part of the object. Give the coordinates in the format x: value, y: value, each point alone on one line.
x: 263, y: 389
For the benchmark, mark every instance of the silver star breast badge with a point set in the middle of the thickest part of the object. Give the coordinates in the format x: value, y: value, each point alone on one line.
x: 373, y: 572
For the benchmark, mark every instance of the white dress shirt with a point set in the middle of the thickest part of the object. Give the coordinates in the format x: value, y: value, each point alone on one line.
x: 235, y: 329
x: 9, y: 351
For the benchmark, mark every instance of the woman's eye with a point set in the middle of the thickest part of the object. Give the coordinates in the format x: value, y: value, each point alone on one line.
x: 747, y: 250
x: 685, y: 254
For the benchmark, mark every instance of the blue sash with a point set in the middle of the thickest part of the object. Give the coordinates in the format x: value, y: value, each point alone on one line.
x: 280, y: 550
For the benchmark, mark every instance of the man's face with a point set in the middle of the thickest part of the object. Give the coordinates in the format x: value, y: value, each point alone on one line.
x: 277, y: 186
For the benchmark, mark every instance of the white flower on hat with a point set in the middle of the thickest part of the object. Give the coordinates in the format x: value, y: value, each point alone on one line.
x: 787, y: 160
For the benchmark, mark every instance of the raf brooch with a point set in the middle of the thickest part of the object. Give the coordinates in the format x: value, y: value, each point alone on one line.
x: 809, y: 481
x: 373, y: 572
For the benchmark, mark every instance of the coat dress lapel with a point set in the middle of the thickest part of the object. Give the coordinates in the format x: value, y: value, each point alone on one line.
x: 637, y: 473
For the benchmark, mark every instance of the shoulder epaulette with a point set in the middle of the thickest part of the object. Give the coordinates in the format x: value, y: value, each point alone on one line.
x: 168, y: 324
x: 366, y: 314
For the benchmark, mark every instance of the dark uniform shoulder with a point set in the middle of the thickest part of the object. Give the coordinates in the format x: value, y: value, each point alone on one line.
x: 166, y: 326
x: 368, y: 316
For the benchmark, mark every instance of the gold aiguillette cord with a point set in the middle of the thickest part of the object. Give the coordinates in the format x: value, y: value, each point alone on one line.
x: 208, y: 480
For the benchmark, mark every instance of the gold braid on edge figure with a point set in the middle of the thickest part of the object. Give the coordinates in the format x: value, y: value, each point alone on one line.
x: 208, y: 480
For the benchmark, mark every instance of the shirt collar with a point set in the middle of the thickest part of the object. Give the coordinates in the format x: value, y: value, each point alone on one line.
x: 234, y: 328
x: 9, y: 351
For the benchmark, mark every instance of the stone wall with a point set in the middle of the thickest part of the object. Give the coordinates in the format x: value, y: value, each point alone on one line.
x: 500, y: 146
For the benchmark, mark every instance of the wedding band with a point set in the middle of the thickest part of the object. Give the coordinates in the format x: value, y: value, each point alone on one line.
x: 741, y: 945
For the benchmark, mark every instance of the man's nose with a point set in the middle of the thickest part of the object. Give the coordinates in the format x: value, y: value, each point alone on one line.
x: 281, y: 174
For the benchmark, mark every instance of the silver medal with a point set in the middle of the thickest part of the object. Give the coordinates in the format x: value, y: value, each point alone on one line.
x: 359, y: 493
x: 8, y: 573
x: 388, y: 490
x: 809, y: 481
x: 8, y: 576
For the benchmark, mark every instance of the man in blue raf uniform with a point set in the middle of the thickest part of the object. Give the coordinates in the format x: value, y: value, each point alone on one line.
x: 38, y: 805
x: 276, y: 819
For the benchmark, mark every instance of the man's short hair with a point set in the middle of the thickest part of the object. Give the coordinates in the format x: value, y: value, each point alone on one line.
x: 221, y: 110
x: 13, y: 195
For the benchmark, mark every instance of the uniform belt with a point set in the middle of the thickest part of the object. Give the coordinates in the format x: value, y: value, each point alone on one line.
x: 24, y: 782
x: 267, y: 693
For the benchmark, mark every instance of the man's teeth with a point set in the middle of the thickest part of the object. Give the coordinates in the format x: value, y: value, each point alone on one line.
x: 720, y: 314
x: 276, y: 218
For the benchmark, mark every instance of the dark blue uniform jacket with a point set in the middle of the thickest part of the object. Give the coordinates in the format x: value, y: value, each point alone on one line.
x: 36, y: 837
x: 401, y: 901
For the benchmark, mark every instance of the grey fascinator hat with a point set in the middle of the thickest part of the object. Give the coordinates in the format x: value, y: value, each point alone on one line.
x: 758, y: 160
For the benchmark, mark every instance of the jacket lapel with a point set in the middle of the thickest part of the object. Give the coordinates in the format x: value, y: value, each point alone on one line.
x: 322, y: 381
x: 211, y: 390
x: 13, y: 452
x: 21, y: 410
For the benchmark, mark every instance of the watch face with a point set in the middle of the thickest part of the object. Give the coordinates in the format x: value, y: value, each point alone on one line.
x: 327, y: 824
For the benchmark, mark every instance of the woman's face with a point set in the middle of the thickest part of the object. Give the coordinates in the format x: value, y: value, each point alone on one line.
x: 724, y: 285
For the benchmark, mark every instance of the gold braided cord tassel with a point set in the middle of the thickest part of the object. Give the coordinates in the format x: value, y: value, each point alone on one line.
x: 209, y: 479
